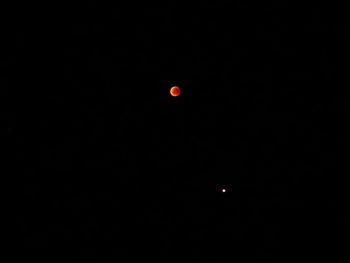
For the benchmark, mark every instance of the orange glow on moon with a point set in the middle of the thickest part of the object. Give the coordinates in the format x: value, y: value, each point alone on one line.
x: 175, y: 91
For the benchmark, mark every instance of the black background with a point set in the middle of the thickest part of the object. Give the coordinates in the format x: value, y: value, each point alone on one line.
x: 110, y: 167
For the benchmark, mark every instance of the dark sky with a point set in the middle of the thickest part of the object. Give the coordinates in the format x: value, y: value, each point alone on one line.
x: 110, y: 166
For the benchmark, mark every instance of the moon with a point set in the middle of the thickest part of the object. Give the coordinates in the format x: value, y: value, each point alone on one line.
x: 175, y: 91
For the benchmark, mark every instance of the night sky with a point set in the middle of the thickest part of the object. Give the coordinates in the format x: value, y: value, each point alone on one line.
x: 111, y: 168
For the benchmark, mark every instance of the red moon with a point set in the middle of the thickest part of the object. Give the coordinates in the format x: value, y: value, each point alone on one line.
x: 175, y: 91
